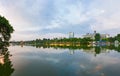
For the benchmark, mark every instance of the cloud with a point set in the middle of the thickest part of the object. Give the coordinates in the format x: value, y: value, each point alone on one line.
x: 108, y: 21
x: 60, y: 16
x: 36, y: 35
x: 53, y: 35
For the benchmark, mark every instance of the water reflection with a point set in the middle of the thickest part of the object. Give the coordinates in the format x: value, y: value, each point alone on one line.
x: 65, y: 61
x: 6, y: 67
x: 89, y: 49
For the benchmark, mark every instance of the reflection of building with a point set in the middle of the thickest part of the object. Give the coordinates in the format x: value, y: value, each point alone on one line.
x: 92, y: 35
x: 116, y: 43
x: 71, y: 34
x: 71, y: 52
x: 94, y: 50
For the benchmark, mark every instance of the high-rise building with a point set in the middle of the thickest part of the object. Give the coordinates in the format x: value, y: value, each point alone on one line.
x: 71, y: 34
x: 95, y: 32
x: 92, y: 35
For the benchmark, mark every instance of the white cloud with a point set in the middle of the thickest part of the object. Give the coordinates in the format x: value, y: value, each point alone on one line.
x: 15, y: 18
x: 28, y: 16
x: 30, y: 36
x: 103, y: 23
x: 53, y: 35
x: 72, y: 14
x: 75, y: 14
x: 53, y: 24
x: 109, y: 19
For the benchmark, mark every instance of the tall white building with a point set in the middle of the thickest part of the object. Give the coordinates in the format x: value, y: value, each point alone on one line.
x: 71, y: 34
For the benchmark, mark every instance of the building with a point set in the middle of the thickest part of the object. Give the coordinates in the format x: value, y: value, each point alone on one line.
x: 92, y: 35
x: 71, y: 34
x: 88, y: 35
x: 103, y: 36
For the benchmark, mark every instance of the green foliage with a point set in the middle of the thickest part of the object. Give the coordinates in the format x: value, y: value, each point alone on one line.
x: 118, y: 37
x: 97, y: 50
x: 70, y: 41
x: 6, y: 68
x: 5, y: 29
x: 97, y: 37
x: 111, y: 39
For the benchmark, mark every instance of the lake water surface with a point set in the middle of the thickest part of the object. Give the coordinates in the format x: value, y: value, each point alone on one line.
x: 31, y: 61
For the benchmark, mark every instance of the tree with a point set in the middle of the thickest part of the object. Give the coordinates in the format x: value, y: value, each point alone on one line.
x: 97, y: 37
x: 118, y: 37
x: 5, y: 29
x: 111, y: 39
x: 6, y: 66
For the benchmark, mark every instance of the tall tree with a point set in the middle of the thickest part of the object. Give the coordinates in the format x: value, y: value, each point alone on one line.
x: 97, y: 37
x: 118, y: 37
x: 5, y: 30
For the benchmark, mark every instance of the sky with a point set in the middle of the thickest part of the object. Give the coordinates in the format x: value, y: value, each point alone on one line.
x: 33, y: 19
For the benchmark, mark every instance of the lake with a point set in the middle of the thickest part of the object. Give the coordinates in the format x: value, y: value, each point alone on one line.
x: 32, y: 61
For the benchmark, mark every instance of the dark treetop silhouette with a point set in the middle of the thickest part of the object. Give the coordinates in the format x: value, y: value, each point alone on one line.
x: 5, y: 31
x: 5, y: 34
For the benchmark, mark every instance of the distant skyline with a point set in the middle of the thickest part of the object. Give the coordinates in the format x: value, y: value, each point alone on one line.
x: 33, y: 19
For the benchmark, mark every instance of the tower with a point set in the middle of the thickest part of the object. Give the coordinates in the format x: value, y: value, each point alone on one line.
x: 94, y: 31
x: 71, y: 34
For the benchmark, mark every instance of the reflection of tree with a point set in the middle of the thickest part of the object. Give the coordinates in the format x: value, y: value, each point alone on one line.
x: 91, y: 49
x: 97, y: 50
x: 112, y: 47
x: 5, y: 63
x: 71, y: 51
x: 65, y: 47
x: 118, y: 48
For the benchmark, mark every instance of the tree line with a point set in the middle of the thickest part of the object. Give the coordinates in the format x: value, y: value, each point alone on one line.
x: 72, y: 41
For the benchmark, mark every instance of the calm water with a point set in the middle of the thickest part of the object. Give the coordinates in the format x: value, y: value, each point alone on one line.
x: 31, y: 61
